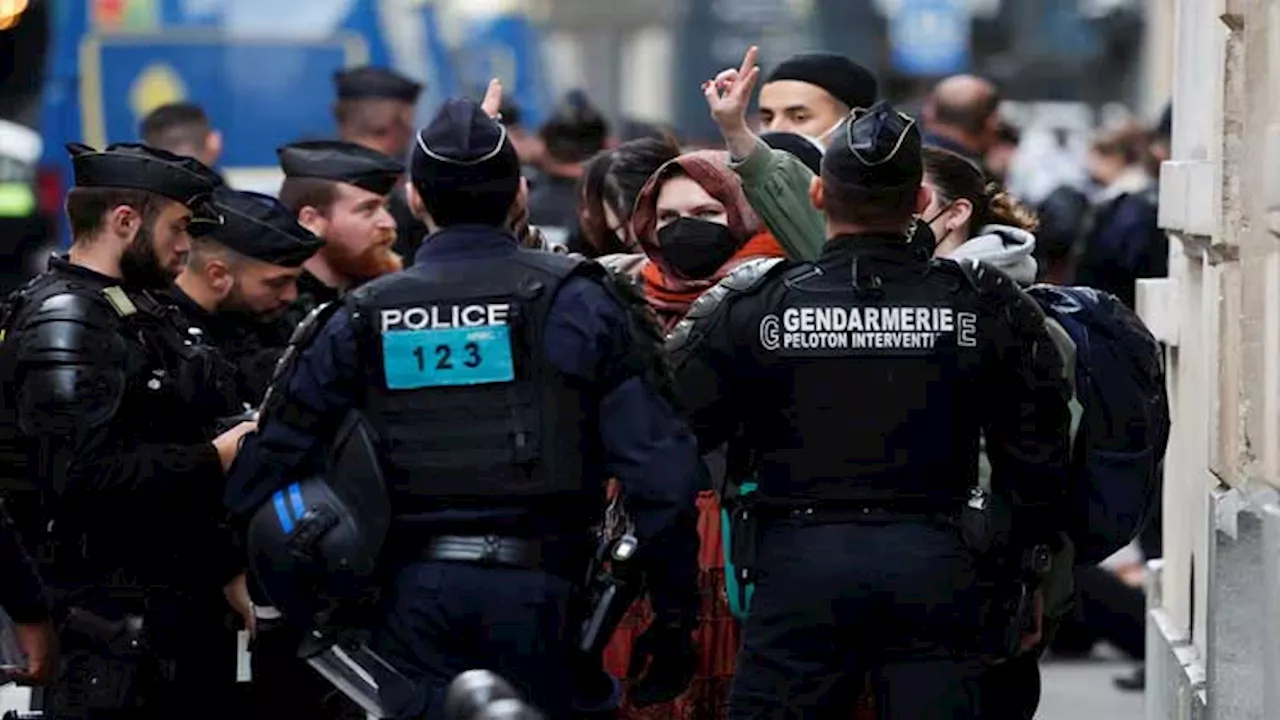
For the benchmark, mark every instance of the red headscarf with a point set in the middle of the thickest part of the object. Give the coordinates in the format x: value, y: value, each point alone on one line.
x: 670, y: 295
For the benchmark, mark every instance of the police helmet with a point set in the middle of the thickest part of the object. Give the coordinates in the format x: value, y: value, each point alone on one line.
x: 315, y: 543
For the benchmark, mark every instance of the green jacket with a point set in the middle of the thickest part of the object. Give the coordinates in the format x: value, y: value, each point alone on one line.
x: 776, y: 184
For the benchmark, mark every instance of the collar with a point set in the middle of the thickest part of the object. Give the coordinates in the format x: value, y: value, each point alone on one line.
x: 62, y: 264
x: 1133, y: 181
x: 462, y: 242
x: 186, y: 304
x: 309, y: 284
x: 884, y: 246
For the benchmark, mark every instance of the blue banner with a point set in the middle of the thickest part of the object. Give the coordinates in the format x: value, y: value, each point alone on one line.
x: 931, y: 37
x: 124, y: 78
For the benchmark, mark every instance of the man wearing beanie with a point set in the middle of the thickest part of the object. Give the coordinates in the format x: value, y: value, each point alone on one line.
x: 505, y: 386
x: 809, y: 94
x: 855, y: 571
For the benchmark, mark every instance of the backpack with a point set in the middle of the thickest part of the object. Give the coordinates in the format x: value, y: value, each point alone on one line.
x: 1120, y: 416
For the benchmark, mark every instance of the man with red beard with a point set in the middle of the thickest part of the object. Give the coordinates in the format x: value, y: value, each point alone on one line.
x: 339, y: 191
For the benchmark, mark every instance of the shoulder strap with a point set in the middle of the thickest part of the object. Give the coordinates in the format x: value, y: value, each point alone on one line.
x: 744, y: 280
x: 301, y: 338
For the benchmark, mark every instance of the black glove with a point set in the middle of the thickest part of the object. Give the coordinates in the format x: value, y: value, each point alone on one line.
x: 663, y: 660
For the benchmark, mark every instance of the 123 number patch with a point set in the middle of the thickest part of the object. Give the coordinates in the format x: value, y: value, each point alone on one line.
x: 444, y: 357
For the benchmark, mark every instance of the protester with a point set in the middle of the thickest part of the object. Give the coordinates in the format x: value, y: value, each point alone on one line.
x: 1122, y: 239
x: 612, y: 181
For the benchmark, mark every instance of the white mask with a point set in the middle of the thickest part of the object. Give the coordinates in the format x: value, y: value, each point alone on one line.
x: 822, y: 139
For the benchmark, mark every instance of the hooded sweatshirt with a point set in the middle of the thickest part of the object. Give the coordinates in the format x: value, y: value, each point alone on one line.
x: 1006, y: 248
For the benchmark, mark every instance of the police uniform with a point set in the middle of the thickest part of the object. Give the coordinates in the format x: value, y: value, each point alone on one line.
x: 115, y: 407
x: 258, y: 227
x: 506, y: 385
x: 859, y: 386
x: 340, y: 162
x: 375, y: 83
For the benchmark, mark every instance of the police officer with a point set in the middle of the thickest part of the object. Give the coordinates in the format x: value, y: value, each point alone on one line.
x: 116, y: 408
x: 375, y: 109
x: 240, y: 279
x: 506, y: 385
x: 339, y: 191
x: 860, y: 385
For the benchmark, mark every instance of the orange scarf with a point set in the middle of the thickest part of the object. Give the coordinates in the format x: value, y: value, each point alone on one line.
x: 670, y: 297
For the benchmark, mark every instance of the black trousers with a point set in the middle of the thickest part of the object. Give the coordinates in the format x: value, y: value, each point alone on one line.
x: 837, y: 601
x: 443, y: 619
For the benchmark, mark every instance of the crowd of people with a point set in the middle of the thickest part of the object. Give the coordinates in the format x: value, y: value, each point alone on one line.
x: 182, y: 372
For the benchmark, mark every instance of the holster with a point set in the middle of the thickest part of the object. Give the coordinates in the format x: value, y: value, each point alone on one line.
x: 609, y: 590
x: 1007, y: 615
x: 103, y: 664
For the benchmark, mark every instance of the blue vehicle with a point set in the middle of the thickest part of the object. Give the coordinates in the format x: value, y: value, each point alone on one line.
x: 261, y: 69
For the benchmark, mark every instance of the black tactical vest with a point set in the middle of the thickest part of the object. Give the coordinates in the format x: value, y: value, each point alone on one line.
x: 469, y: 411
x: 874, y: 386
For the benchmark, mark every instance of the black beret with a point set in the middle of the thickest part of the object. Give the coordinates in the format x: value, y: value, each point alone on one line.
x: 341, y: 161
x: 260, y: 227
x: 842, y: 78
x: 134, y: 166
x: 375, y: 83
x: 798, y: 145
x: 878, y: 154
x: 463, y: 151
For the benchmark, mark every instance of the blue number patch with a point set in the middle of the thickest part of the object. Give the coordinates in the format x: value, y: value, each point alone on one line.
x: 443, y: 357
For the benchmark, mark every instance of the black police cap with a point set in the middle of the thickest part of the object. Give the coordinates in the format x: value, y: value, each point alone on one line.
x: 879, y: 152
x: 259, y: 227
x: 341, y: 161
x: 463, y: 151
x: 375, y: 83
x: 134, y: 166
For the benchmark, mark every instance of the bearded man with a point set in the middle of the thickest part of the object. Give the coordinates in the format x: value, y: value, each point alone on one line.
x: 340, y: 192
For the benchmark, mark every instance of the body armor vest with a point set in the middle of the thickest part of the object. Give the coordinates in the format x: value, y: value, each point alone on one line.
x: 876, y: 387
x: 469, y: 410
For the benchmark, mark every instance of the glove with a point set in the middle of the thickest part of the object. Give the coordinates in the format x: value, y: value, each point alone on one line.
x: 663, y: 659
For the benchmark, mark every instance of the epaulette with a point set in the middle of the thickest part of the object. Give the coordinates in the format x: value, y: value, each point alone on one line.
x: 120, y: 301
x: 744, y: 278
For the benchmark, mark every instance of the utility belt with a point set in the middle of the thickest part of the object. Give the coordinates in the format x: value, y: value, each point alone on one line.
x: 982, y: 523
x: 489, y: 550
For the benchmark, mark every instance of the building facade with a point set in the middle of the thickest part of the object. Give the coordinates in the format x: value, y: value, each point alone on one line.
x: 1213, y: 648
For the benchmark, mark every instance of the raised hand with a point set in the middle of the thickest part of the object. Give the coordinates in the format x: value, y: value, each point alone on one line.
x: 729, y: 94
x: 492, y: 101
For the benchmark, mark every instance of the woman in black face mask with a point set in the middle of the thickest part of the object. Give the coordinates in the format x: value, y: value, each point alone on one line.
x: 695, y: 225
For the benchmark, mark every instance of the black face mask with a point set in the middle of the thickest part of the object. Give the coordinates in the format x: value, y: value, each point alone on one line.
x: 695, y: 249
